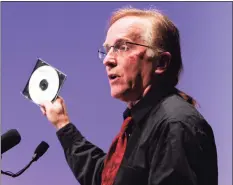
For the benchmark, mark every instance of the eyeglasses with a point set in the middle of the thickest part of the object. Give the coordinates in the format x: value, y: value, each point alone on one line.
x: 118, y: 47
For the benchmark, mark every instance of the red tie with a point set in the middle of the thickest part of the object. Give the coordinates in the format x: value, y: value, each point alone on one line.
x: 115, y: 155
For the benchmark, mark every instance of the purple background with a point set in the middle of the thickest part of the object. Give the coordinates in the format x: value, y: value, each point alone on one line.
x: 67, y: 35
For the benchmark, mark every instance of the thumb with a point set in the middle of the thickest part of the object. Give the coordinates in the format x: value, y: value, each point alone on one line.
x: 60, y: 99
x: 46, y: 105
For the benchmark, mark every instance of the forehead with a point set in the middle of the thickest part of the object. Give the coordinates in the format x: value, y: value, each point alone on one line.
x: 130, y: 27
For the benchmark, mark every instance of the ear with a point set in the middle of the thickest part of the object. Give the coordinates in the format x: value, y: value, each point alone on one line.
x: 163, y: 63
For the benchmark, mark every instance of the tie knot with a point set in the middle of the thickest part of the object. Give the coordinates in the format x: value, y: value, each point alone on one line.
x: 125, y: 124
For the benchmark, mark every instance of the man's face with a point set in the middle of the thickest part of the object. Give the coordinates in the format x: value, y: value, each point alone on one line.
x: 129, y: 71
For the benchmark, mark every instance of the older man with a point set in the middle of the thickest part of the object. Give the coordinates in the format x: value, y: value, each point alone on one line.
x: 164, y: 140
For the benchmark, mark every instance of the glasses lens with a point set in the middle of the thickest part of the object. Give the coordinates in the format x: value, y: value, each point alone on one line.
x: 102, y: 53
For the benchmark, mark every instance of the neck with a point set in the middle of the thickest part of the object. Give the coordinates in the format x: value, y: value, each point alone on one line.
x: 130, y: 104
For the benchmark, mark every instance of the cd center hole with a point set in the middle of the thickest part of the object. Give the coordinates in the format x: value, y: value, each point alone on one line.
x: 44, y: 84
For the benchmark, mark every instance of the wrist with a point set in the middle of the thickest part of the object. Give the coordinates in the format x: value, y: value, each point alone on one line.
x: 60, y: 125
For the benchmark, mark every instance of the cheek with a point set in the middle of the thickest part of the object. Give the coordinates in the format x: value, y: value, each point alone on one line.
x: 131, y: 67
x: 131, y: 72
x: 137, y: 70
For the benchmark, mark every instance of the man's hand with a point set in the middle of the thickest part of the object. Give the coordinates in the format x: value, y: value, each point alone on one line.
x: 55, y: 112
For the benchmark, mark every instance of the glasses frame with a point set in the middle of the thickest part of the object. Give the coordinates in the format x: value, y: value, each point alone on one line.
x: 117, y: 49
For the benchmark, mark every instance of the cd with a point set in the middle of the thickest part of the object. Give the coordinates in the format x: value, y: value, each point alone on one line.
x: 43, y: 84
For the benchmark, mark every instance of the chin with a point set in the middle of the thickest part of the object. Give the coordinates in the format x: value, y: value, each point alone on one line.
x: 122, y: 94
x: 118, y: 93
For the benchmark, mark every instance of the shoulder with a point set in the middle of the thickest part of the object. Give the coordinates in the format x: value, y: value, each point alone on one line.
x: 176, y: 108
x: 174, y: 113
x: 179, y: 124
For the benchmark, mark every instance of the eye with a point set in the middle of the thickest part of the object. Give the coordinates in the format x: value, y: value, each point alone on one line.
x: 106, y: 49
x: 123, y: 47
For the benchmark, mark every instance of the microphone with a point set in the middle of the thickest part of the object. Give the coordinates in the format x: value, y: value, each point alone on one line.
x: 39, y: 152
x: 10, y: 139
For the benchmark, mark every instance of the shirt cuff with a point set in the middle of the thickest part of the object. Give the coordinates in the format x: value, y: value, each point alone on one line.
x: 68, y: 134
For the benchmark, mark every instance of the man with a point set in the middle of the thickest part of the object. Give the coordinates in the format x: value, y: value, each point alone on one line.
x: 164, y: 140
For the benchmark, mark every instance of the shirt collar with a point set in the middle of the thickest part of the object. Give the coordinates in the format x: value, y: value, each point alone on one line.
x: 151, y: 99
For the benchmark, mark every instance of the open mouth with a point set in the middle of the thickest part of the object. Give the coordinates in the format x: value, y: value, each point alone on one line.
x: 113, y: 77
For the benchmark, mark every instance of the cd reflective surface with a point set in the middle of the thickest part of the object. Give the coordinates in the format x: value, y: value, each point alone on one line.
x: 43, y: 84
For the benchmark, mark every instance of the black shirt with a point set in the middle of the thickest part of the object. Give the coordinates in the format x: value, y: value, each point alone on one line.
x: 170, y: 143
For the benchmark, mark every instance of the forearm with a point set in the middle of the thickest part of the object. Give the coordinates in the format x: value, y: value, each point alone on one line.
x: 84, y: 158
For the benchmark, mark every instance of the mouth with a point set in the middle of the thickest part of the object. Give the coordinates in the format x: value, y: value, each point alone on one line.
x: 113, y: 77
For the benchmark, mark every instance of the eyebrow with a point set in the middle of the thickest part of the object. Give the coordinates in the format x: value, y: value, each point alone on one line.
x: 135, y: 36
x: 118, y: 40
x: 132, y: 37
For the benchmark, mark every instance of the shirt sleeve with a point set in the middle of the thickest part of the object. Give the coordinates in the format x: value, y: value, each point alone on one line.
x: 84, y: 158
x: 183, y: 154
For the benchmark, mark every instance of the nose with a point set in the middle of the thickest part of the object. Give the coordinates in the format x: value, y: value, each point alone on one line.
x: 110, y: 59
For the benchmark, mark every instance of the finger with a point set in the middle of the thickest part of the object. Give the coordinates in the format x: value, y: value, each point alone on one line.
x: 46, y: 105
x: 43, y: 111
x: 42, y: 108
x: 62, y: 102
x: 60, y: 99
x: 58, y: 104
